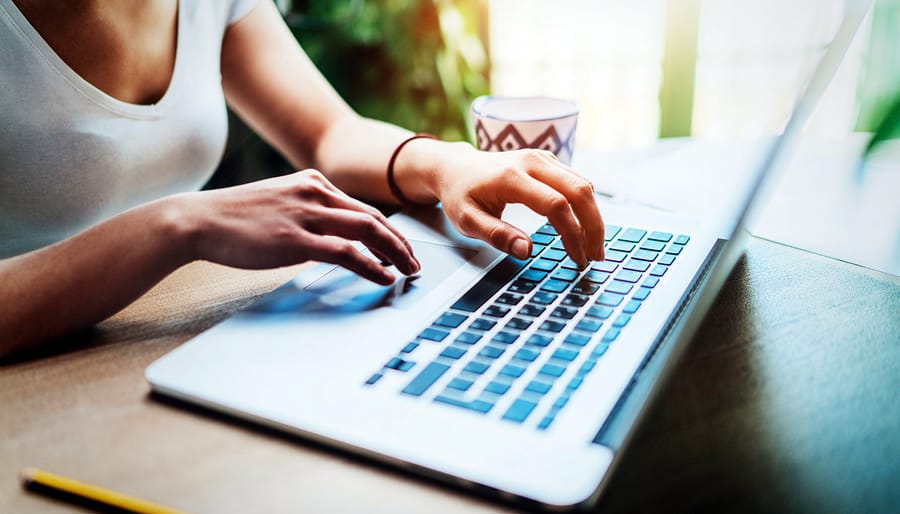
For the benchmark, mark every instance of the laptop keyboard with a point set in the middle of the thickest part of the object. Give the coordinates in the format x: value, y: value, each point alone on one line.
x: 534, y: 329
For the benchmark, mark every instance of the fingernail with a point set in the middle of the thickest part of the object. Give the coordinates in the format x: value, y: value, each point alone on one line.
x: 414, y: 265
x: 520, y: 248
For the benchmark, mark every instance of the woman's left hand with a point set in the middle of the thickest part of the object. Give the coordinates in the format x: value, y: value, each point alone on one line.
x: 475, y: 187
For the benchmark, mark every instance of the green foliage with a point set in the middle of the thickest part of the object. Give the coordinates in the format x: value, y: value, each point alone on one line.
x: 415, y: 63
x: 879, y: 92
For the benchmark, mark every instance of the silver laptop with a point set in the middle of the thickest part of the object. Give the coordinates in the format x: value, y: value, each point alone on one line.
x: 523, y: 378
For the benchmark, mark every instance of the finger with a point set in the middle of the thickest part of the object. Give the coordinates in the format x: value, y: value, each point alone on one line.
x: 549, y: 202
x: 501, y: 235
x: 580, y: 193
x: 340, y: 251
x: 342, y: 200
x: 359, y: 226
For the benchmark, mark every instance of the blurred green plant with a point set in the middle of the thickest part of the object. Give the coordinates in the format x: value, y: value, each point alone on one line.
x: 415, y: 63
x: 880, y: 88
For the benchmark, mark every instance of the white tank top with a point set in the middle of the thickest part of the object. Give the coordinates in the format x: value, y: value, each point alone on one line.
x: 72, y: 156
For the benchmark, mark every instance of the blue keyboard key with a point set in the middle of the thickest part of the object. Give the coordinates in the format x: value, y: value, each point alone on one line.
x: 511, y: 370
x: 425, y: 378
x: 604, y: 266
x: 674, y: 250
x: 650, y: 282
x: 483, y: 324
x: 636, y: 265
x: 552, y: 326
x: 496, y: 311
x: 610, y: 335
x: 541, y: 239
x: 545, y: 423
x: 585, y: 287
x: 615, y: 256
x: 561, y: 402
x: 572, y: 265
x: 480, y: 406
x: 597, y: 277
x: 552, y: 370
x: 565, y: 354
x: 543, y: 298
x: 505, y: 337
x: 374, y: 378
x: 542, y: 266
x: 566, y: 275
x: 519, y: 410
x: 476, y: 367
x: 409, y: 347
x: 631, y: 307
x: 622, y: 246
x: 658, y: 270
x: 526, y: 355
x: 533, y: 275
x: 491, y: 352
x: 518, y: 324
x: 611, y: 231
x: 536, y: 250
x: 628, y: 276
x: 497, y: 387
x: 564, y: 313
x: 667, y: 259
x: 600, y: 311
x: 589, y: 325
x: 510, y: 299
x: 653, y: 246
x: 554, y: 286
x: 574, y: 300
x: 522, y: 286
x: 600, y: 349
x: 554, y: 255
x: 577, y: 339
x: 433, y: 334
x: 398, y: 364
x: 547, y: 229
x: 587, y: 366
x: 610, y: 299
x: 532, y: 310
x: 468, y: 338
x: 641, y: 294
x: 682, y: 240
x: 452, y: 352
x: 621, y: 320
x: 575, y: 383
x: 619, y: 287
x: 536, y: 386
x: 645, y: 255
x: 460, y: 384
x: 539, y: 340
x: 633, y: 235
x: 450, y: 320
x: 665, y: 237
x: 558, y: 245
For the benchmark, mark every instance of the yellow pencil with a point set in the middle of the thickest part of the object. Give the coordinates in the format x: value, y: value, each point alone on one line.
x: 88, y: 495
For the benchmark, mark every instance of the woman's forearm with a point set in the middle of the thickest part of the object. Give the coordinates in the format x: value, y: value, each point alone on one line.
x: 82, y: 280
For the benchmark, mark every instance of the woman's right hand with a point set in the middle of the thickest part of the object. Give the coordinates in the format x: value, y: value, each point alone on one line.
x: 291, y: 219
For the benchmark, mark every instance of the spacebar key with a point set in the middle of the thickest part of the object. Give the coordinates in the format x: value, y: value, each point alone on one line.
x: 428, y: 376
x: 489, y: 284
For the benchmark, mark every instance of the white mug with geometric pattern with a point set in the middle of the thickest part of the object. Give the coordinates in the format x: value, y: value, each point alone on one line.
x: 510, y: 123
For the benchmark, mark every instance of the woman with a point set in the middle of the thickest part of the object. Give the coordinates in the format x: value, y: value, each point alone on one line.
x: 113, y: 115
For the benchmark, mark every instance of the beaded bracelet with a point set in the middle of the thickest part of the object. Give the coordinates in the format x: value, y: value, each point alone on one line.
x: 392, y: 184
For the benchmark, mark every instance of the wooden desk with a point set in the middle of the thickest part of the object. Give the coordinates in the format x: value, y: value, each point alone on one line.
x: 787, y: 400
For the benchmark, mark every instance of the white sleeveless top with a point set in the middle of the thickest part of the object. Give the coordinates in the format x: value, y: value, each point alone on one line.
x: 72, y: 156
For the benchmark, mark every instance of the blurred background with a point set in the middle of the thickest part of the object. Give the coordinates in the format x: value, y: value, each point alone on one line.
x: 640, y: 70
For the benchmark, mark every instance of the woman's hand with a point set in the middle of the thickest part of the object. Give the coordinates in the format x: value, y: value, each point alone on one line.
x: 474, y: 187
x: 292, y: 219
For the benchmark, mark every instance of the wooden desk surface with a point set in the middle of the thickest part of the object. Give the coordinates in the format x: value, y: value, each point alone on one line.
x: 787, y: 400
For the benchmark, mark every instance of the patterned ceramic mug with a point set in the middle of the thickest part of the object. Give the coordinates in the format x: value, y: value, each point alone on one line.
x: 509, y: 123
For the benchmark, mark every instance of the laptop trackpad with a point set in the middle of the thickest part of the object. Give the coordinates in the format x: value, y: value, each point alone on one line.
x: 328, y: 288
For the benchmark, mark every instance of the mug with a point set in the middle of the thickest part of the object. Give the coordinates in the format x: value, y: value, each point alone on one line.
x: 510, y: 123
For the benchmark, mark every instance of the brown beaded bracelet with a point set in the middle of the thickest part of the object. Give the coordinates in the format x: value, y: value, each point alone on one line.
x: 392, y: 184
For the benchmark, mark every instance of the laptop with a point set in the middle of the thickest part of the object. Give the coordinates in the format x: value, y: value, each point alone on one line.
x: 520, y: 378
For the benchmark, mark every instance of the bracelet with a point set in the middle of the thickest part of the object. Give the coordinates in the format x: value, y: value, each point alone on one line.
x: 392, y: 184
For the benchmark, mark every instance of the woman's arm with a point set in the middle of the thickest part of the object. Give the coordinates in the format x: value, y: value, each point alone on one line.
x: 277, y: 222
x: 271, y: 83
